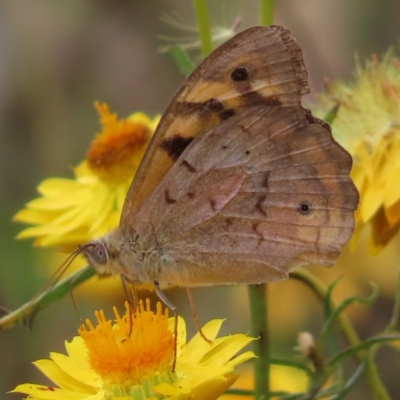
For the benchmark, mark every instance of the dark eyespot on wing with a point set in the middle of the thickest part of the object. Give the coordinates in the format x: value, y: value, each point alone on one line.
x: 175, y: 145
x: 305, y: 208
x: 240, y: 74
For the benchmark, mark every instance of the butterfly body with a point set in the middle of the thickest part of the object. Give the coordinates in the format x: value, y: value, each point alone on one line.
x: 240, y: 183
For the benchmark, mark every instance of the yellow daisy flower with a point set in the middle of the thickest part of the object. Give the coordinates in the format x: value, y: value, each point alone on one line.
x: 73, y: 211
x: 368, y: 126
x: 133, y: 358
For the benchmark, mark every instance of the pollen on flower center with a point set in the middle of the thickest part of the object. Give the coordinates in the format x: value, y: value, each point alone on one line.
x: 138, y: 347
x: 116, y: 152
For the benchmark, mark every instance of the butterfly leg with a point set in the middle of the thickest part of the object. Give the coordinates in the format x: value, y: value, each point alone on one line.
x: 163, y: 297
x: 173, y: 307
x: 194, y: 314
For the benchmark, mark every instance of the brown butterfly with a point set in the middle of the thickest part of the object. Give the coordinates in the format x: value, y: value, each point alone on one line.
x: 240, y: 183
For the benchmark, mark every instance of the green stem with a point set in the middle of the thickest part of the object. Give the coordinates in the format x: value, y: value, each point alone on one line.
x: 203, y: 22
x: 266, y: 12
x: 259, y: 323
x: 372, y: 374
x: 27, y: 312
x: 394, y: 321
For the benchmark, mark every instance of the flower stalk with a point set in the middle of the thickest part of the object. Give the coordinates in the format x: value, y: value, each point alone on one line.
x: 203, y: 22
x: 266, y: 12
x: 259, y: 329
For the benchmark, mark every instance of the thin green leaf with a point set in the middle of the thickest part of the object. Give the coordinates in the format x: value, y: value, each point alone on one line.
x: 292, y: 364
x: 362, y: 346
x: 328, y: 299
x: 351, y: 382
x: 339, y: 309
x: 332, y: 113
x: 394, y: 321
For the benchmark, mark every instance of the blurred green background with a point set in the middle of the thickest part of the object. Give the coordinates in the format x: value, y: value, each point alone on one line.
x: 58, y: 57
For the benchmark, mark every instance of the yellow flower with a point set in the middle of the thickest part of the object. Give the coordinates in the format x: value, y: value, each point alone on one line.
x: 73, y: 211
x: 368, y: 126
x: 133, y: 359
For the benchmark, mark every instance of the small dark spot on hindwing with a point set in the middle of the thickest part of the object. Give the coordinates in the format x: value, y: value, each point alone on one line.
x: 168, y: 198
x: 189, y: 166
x: 176, y: 145
x: 229, y: 222
x: 258, y: 205
x: 304, y: 208
x: 265, y: 182
x: 259, y: 234
x: 191, y: 195
x: 213, y: 204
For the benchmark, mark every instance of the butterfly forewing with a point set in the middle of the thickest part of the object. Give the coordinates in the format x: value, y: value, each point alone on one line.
x: 253, y: 198
x: 260, y: 65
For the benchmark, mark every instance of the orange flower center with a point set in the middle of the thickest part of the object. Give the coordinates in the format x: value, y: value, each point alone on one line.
x: 116, y: 152
x: 138, y: 347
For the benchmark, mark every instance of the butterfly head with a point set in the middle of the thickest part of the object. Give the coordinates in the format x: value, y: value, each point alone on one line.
x: 97, y: 253
x: 117, y: 254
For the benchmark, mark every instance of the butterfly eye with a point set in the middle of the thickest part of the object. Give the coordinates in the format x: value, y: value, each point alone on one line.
x: 305, y: 208
x: 240, y: 74
x: 100, y: 253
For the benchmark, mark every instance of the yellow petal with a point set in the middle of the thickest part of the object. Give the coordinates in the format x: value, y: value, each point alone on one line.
x: 225, y: 348
x: 194, y: 350
x: 70, y: 367
x: 41, y: 392
x: 61, y: 378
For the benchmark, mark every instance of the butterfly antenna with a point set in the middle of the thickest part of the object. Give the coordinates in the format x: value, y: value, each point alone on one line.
x: 194, y: 314
x: 73, y: 298
x: 53, y: 279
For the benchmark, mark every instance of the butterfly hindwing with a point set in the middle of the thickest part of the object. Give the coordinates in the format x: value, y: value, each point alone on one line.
x: 252, y: 198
